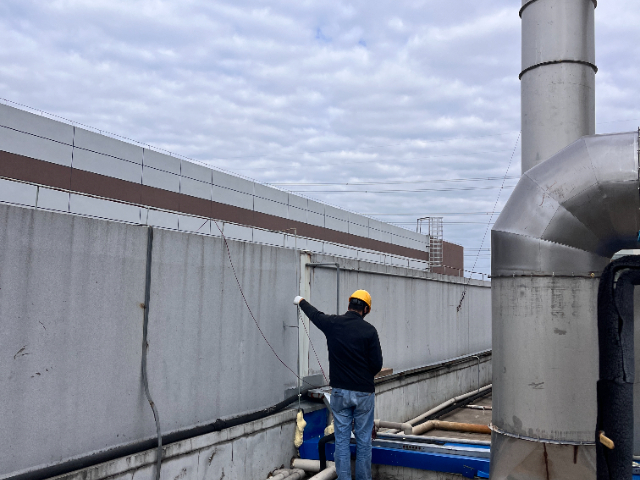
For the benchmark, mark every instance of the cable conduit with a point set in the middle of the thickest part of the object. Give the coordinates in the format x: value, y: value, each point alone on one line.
x: 145, y: 347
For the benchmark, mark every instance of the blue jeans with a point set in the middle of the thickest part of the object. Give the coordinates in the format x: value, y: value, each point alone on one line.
x: 349, y: 408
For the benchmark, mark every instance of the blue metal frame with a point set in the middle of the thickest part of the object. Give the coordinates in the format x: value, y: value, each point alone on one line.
x: 468, y: 466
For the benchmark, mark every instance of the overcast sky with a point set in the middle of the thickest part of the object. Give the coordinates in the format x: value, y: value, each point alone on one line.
x: 420, y: 99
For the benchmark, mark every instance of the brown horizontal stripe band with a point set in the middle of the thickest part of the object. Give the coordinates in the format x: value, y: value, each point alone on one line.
x: 31, y: 170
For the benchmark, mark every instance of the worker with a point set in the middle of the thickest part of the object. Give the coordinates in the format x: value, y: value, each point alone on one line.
x: 355, y: 357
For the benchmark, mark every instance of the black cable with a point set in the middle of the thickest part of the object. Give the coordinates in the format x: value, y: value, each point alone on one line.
x: 138, y: 447
x: 322, y: 452
x: 145, y: 347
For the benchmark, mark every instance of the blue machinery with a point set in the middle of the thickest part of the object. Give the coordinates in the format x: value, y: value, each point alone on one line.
x: 470, y: 461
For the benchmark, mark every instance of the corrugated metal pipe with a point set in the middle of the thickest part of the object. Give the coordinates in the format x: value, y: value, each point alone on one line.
x: 564, y: 221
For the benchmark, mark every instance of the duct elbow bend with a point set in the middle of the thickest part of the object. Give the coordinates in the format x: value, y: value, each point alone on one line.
x: 571, y: 213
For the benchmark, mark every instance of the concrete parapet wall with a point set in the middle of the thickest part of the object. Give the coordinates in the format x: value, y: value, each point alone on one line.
x: 252, y: 450
x: 416, y: 313
x: 405, y: 397
x: 71, y: 295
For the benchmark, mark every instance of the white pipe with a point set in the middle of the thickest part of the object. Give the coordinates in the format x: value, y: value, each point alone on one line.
x: 405, y: 427
x: 444, y: 405
x: 285, y: 473
x: 328, y: 473
x: 425, y: 438
x: 312, y: 466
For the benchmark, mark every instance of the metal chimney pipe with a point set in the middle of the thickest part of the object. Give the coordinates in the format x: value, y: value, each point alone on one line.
x: 558, y: 76
x: 565, y: 219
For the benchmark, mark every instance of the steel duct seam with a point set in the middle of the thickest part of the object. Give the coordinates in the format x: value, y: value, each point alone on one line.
x: 565, y: 219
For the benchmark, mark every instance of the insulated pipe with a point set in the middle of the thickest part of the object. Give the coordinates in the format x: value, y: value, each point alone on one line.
x: 450, y: 426
x: 565, y: 219
x: 557, y: 77
x: 282, y: 474
x: 432, y: 425
x: 326, y: 474
x: 405, y: 427
x: 310, y: 466
x: 429, y: 439
x: 449, y: 402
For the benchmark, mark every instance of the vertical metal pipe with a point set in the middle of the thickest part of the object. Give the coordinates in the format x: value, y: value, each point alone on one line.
x: 557, y: 77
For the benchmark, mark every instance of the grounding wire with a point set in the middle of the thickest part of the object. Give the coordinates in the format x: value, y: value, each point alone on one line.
x: 464, y: 291
x: 244, y: 298
x: 145, y: 347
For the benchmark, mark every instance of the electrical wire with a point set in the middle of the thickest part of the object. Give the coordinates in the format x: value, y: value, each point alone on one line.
x: 462, y: 189
x: 244, y: 298
x: 464, y: 291
x: 397, y: 182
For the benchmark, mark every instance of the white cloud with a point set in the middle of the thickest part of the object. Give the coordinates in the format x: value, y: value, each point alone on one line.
x: 309, y: 91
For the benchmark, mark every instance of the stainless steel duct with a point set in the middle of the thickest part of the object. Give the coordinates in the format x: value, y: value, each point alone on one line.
x: 558, y: 76
x: 565, y: 219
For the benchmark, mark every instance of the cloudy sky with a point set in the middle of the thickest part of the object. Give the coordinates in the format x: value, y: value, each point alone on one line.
x: 415, y: 104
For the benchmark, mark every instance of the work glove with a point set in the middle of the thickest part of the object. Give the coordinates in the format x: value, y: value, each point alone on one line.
x: 297, y: 300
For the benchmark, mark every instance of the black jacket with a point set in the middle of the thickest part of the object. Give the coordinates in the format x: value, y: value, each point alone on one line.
x: 355, y: 355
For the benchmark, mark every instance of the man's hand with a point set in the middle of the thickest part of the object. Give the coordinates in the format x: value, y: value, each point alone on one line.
x: 297, y: 300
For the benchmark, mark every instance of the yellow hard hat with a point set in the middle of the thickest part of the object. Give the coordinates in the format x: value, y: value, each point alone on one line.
x: 362, y: 295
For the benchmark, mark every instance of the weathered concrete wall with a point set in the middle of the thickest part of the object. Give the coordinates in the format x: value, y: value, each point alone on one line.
x: 71, y: 290
x: 402, y: 399
x: 253, y: 450
x: 414, y: 312
x: 244, y: 452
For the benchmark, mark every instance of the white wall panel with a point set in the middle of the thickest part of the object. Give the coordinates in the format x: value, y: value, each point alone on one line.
x: 272, y: 208
x: 188, y: 223
x: 232, y: 197
x: 158, y: 218
x: 195, y: 171
x: 161, y: 161
x: 106, y: 165
x: 232, y: 182
x: 316, y: 207
x: 34, y: 147
x: 19, y: 193
x: 335, y: 224
x: 314, y: 218
x: 336, y: 213
x: 159, y: 179
x: 315, y: 245
x: 297, y: 201
x: 359, y: 230
x: 297, y: 214
x: 53, y: 199
x: 106, y: 209
x: 267, y: 237
x: 95, y: 142
x: 270, y: 193
x: 195, y: 188
x: 237, y: 232
x: 36, y: 124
